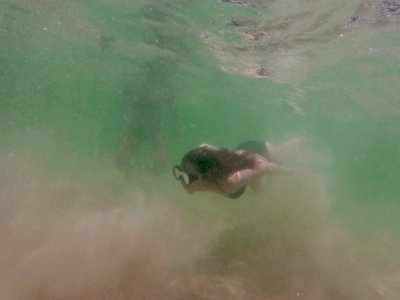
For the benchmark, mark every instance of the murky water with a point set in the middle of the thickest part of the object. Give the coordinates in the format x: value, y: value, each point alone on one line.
x: 73, y: 226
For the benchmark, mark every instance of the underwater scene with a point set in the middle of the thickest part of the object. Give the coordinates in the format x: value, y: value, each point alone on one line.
x: 99, y: 100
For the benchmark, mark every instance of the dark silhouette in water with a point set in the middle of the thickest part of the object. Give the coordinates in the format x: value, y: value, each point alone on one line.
x: 144, y: 102
x: 149, y: 96
x: 106, y: 42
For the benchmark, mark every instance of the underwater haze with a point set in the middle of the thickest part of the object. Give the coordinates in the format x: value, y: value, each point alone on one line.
x: 88, y: 212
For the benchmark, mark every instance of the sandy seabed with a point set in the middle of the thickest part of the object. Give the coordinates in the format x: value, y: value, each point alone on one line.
x: 98, y: 238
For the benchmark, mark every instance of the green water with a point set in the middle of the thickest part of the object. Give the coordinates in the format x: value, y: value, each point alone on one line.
x: 73, y: 227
